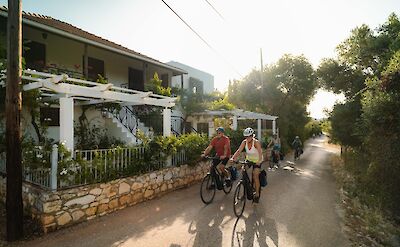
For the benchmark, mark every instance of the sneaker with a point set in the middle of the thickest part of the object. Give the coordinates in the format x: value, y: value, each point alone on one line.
x: 276, y: 167
x: 228, y: 182
x: 256, y: 199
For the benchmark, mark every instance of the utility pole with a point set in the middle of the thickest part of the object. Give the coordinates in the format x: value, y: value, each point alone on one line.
x: 14, y: 205
x: 262, y: 69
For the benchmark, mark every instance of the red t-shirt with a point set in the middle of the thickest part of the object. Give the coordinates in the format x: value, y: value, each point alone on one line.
x: 219, y: 143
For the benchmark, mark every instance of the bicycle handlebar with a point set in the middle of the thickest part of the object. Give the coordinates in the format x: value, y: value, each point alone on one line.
x: 211, y: 157
x: 243, y: 162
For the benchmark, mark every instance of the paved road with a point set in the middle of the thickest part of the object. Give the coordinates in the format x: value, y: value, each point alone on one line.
x: 296, y: 209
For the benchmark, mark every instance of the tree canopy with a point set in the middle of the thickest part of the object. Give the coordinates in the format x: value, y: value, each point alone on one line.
x: 367, y: 72
x: 286, y: 88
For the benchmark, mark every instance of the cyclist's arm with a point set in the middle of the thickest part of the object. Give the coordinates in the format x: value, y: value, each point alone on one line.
x: 260, y: 156
x: 207, y: 150
x: 240, y: 149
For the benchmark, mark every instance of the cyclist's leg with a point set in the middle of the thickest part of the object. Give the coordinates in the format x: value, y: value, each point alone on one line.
x: 256, y: 179
x: 222, y: 169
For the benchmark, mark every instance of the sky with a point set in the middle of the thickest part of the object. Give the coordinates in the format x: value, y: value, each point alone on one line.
x: 236, y: 31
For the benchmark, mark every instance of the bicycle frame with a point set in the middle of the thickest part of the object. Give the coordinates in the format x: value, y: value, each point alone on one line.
x: 247, y: 182
x: 213, y: 169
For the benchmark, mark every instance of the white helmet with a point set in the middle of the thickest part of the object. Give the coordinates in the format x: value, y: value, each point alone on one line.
x: 248, y: 132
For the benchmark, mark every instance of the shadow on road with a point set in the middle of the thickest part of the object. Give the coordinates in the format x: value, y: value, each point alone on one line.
x: 207, y: 225
x: 257, y: 230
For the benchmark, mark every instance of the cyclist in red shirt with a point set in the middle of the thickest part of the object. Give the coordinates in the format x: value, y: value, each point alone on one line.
x: 222, y: 146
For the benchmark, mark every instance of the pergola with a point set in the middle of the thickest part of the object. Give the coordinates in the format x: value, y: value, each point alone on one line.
x: 237, y: 114
x: 70, y: 91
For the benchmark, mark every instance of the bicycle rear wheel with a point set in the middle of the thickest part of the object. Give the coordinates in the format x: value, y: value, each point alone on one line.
x: 207, y: 189
x: 239, y: 199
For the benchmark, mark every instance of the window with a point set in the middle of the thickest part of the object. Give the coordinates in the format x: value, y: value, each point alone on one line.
x: 165, y: 82
x: 35, y: 55
x: 50, y: 116
x: 136, y: 79
x: 95, y: 68
x: 195, y: 85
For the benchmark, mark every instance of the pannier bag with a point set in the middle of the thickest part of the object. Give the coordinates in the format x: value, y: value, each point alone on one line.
x: 263, y: 178
x: 234, y: 173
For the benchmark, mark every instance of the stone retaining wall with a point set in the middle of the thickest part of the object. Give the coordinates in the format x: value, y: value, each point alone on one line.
x: 57, y: 209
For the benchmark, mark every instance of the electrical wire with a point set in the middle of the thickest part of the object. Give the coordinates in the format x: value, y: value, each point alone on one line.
x: 215, y: 10
x: 202, y: 39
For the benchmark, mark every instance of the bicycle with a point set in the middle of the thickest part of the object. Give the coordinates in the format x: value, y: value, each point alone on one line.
x: 244, y: 189
x: 211, y: 181
x: 274, y: 159
x: 297, y: 153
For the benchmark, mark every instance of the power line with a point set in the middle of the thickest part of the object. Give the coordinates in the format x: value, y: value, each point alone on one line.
x: 202, y: 39
x: 215, y: 10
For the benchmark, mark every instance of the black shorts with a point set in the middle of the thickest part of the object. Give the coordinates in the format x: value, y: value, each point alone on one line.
x: 217, y: 161
x: 253, y: 165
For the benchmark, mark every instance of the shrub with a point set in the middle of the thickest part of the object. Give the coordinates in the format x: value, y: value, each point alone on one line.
x: 193, y: 144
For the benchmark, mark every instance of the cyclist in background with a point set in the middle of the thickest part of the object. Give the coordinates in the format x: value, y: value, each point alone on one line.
x: 254, y: 155
x: 297, y: 145
x: 276, y: 149
x: 222, y: 146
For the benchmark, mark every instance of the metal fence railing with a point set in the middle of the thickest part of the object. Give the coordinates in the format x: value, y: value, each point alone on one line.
x: 92, y: 166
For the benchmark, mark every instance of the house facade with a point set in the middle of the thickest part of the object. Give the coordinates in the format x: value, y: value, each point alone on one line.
x: 58, y: 48
x: 195, y: 80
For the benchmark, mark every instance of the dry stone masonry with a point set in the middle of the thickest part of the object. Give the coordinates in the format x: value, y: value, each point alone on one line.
x: 57, y: 209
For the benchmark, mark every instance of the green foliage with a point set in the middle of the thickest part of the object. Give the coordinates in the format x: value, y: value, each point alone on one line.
x: 193, y: 144
x: 34, y: 156
x: 101, y: 79
x: 155, y: 86
x: 326, y: 127
x: 340, y: 78
x: 191, y: 102
x: 221, y: 104
x: 313, y: 127
x: 236, y: 138
x: 367, y: 124
x: 344, y: 118
x: 286, y: 89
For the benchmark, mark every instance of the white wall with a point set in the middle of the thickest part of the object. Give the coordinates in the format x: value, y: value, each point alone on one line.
x: 206, y: 78
x: 68, y: 54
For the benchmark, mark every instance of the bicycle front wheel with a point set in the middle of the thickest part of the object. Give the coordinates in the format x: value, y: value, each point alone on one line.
x: 227, y: 186
x: 207, y: 189
x: 239, y: 199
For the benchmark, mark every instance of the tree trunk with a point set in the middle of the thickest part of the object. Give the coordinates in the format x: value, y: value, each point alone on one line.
x: 14, y: 205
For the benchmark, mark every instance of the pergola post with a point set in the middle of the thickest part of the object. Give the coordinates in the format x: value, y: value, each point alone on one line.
x: 166, y: 122
x: 274, y: 126
x: 259, y: 129
x: 211, y: 128
x: 234, y: 122
x: 67, y: 123
x: 194, y: 124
